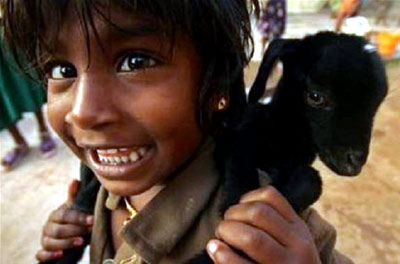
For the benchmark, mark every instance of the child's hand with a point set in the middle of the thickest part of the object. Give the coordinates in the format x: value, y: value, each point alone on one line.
x: 64, y: 228
x: 266, y: 228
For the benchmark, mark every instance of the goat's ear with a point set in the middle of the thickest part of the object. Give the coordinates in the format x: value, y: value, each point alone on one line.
x: 275, y: 50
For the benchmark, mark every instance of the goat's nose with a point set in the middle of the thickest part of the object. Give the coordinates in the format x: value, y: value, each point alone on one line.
x: 355, y: 158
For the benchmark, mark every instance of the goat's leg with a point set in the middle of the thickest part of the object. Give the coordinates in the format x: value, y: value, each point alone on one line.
x: 239, y: 172
x: 301, y: 187
x: 240, y: 176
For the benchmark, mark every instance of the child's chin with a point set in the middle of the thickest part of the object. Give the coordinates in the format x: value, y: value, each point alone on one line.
x: 123, y: 188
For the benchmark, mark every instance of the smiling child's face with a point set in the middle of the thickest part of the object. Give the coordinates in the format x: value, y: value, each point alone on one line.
x: 130, y: 111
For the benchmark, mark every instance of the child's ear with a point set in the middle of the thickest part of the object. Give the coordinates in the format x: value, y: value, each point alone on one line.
x: 277, y: 49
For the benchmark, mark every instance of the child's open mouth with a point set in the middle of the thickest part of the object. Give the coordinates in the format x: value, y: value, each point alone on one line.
x: 119, y: 156
x: 121, y: 163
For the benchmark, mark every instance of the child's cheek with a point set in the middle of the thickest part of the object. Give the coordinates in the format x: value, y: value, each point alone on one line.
x: 58, y: 107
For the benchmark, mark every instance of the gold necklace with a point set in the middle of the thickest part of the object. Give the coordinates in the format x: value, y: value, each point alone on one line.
x: 134, y: 259
x: 132, y: 211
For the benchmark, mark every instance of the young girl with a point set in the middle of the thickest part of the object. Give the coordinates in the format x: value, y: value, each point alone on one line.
x: 137, y: 89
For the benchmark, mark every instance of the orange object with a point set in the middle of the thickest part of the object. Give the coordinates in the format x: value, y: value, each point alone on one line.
x: 387, y: 43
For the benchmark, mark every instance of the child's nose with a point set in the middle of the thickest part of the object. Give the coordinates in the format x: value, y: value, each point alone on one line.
x: 93, y: 106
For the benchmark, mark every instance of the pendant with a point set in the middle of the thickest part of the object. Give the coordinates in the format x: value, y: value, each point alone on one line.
x: 132, y: 260
x: 131, y: 210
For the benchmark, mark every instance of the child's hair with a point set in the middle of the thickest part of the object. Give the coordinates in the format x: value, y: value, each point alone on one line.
x: 220, y: 31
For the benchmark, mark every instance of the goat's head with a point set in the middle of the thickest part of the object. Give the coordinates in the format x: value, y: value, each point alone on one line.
x: 343, y: 82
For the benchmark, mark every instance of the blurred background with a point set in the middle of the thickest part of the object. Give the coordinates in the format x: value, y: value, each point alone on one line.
x: 365, y: 210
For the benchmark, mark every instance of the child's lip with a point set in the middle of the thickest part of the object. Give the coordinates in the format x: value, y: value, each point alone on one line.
x: 120, y: 163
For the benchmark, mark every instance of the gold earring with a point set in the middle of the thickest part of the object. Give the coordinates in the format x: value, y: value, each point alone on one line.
x: 222, y: 103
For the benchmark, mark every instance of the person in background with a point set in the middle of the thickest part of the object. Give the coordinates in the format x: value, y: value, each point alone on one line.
x: 19, y: 95
x: 272, y: 22
x: 348, y: 8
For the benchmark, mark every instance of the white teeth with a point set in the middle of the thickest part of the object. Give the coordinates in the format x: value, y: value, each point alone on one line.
x: 101, y: 151
x: 142, y: 151
x: 116, y: 157
x: 133, y: 156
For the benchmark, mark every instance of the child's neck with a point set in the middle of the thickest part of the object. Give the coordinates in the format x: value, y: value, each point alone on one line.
x: 139, y: 201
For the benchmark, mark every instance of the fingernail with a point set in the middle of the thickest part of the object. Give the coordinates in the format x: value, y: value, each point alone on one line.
x: 78, y: 241
x: 58, y: 254
x: 212, y: 247
x: 89, y: 220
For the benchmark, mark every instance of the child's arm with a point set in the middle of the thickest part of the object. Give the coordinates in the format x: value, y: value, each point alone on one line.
x: 266, y: 228
x: 64, y: 228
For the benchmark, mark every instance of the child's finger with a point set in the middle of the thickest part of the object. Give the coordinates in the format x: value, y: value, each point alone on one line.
x: 271, y: 196
x: 221, y: 253
x: 53, y: 244
x: 46, y: 256
x: 263, y: 216
x: 250, y: 240
x: 65, y: 215
x: 73, y: 188
x: 64, y: 231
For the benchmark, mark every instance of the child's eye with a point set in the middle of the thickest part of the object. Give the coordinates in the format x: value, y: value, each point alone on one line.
x: 62, y: 71
x: 134, y: 62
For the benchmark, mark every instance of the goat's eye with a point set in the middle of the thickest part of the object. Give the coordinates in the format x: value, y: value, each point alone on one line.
x: 316, y: 100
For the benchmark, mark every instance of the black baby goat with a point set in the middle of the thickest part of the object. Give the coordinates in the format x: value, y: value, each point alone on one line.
x: 324, y: 104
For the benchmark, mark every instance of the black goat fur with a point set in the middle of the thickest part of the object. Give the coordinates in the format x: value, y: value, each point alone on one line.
x: 284, y: 137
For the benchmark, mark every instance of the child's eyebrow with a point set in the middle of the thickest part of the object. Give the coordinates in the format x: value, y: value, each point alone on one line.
x: 128, y: 33
x: 138, y: 25
x: 135, y: 30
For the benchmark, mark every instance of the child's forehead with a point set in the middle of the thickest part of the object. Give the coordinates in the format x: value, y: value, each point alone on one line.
x: 107, y: 26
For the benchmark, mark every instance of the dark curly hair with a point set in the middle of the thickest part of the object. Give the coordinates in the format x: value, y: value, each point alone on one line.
x: 220, y: 31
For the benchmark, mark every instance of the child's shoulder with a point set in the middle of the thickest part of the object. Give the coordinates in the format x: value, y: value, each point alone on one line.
x: 324, y: 235
x: 319, y: 227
